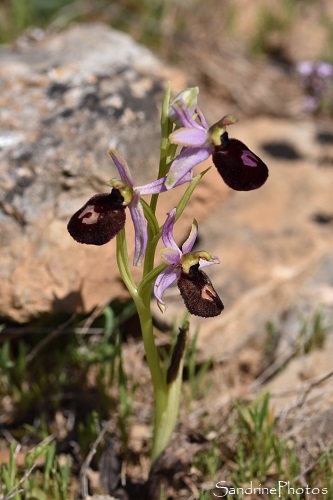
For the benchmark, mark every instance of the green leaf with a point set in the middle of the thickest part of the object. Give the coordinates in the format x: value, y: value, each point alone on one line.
x: 188, y: 193
x: 48, y: 465
x: 109, y: 321
x: 150, y: 216
x: 150, y: 277
x: 165, y: 122
x: 123, y: 263
x: 5, y: 361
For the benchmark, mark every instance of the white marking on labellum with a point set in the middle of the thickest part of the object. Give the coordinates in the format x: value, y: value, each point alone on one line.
x: 249, y: 159
x: 208, y: 293
x: 89, y: 215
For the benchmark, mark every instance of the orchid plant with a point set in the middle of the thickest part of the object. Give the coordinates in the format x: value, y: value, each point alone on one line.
x: 103, y: 217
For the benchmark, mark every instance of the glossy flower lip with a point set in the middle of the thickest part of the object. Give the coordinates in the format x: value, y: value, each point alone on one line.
x: 239, y: 167
x: 177, y: 259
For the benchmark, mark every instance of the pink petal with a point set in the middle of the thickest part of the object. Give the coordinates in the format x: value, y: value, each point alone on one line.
x: 159, y: 186
x: 188, y: 244
x: 195, y: 137
x: 171, y: 256
x: 140, y: 227
x: 205, y: 263
x: 202, y: 119
x: 151, y: 188
x: 185, y: 161
x: 167, y: 235
x: 183, y: 115
x: 163, y: 281
x: 122, y: 167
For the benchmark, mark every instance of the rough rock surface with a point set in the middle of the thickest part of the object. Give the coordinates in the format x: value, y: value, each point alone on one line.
x: 65, y: 99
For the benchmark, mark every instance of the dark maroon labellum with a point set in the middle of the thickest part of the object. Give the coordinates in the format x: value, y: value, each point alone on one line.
x: 240, y: 169
x: 199, y: 294
x: 99, y: 220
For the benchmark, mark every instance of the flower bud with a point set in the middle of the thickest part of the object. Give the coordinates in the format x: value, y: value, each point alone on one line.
x: 189, y: 97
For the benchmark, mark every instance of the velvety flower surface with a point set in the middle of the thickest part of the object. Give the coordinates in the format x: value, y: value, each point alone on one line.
x: 99, y: 220
x: 184, y: 266
x: 200, y: 141
x: 198, y: 293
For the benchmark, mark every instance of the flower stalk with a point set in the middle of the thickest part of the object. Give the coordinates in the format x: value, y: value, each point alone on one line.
x: 166, y: 395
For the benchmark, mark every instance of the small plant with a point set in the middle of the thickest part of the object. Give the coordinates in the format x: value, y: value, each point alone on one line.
x: 322, y: 473
x: 50, y: 480
x: 104, y: 215
x: 209, y: 461
x: 271, y: 340
x: 195, y: 374
x: 260, y: 451
x: 313, y: 333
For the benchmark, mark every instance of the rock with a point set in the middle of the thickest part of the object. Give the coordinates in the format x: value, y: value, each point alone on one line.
x: 66, y: 98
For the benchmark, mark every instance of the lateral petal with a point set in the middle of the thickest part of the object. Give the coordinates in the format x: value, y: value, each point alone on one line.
x: 205, y: 263
x: 195, y: 137
x: 163, y: 281
x: 122, y: 167
x: 187, y: 159
x: 167, y: 231
x: 140, y: 227
x: 188, y: 244
x: 171, y: 256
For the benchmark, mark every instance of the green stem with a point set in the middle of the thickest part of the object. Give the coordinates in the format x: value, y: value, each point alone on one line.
x: 166, y: 129
x: 160, y: 440
x: 150, y: 347
x: 166, y: 394
x: 150, y: 278
x: 151, y: 219
x: 150, y: 252
x: 142, y: 303
x: 123, y: 264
